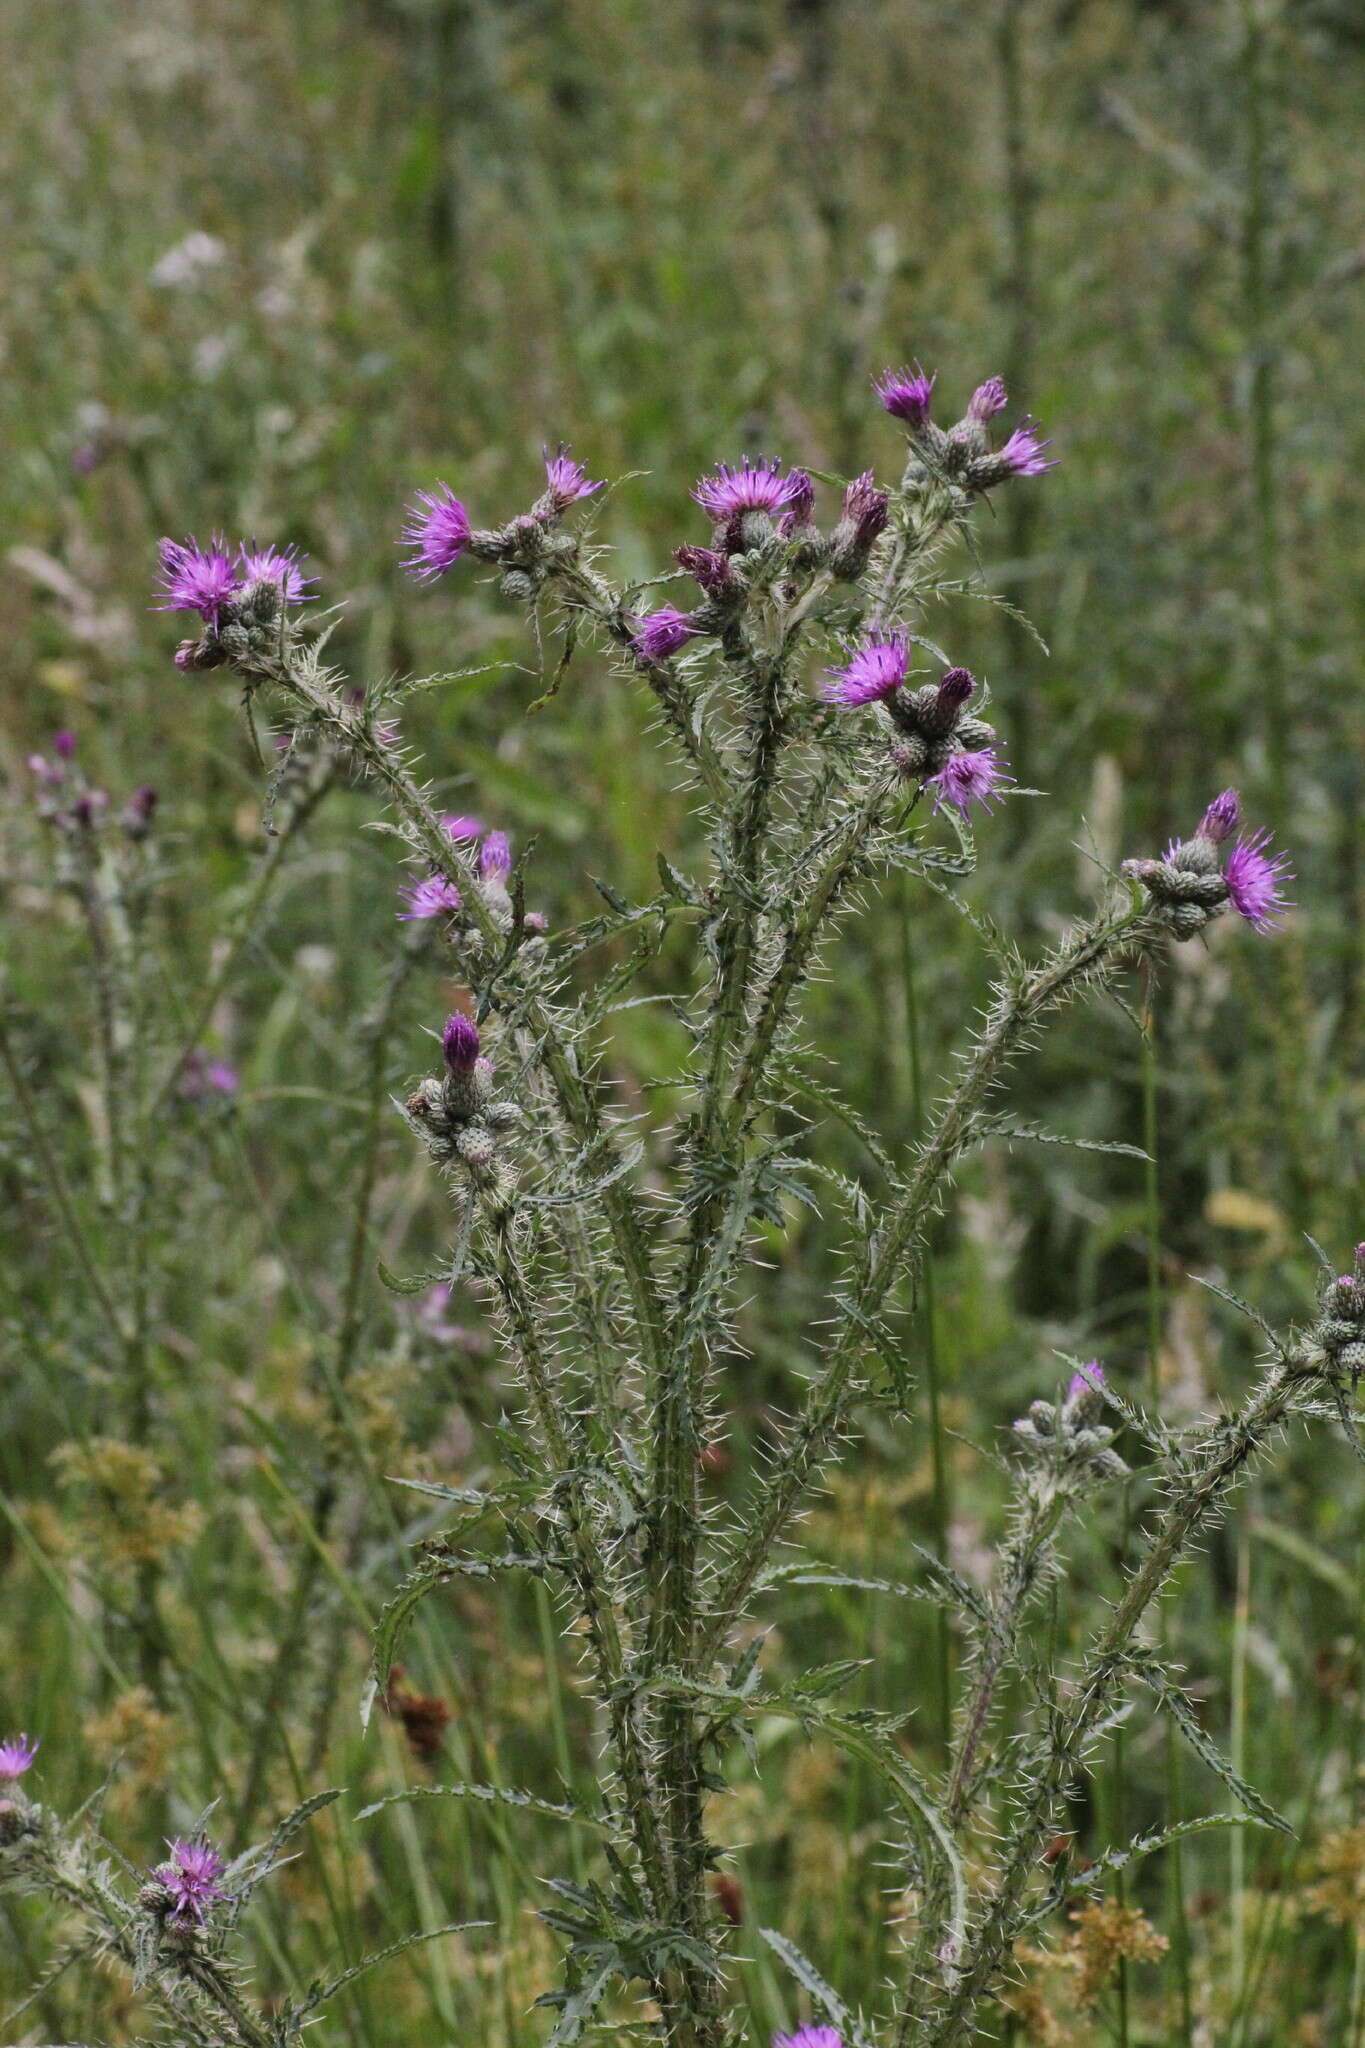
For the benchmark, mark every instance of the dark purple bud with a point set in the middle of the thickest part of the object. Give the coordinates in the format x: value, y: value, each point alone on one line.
x: 987, y: 400
x: 88, y: 806
x: 1221, y: 819
x: 139, y: 810
x: 64, y: 745
x: 460, y: 1044
x: 801, y: 503
x: 711, y: 569
x: 866, y: 508
x: 955, y: 689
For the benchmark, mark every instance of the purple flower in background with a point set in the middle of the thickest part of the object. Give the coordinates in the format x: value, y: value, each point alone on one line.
x: 987, y: 400
x: 88, y: 806
x: 1254, y: 880
x: 460, y: 1044
x: 437, y: 532
x: 16, y: 1754
x: 191, y: 1876
x: 63, y: 745
x: 867, y: 508
x: 905, y: 394
x: 1023, y: 454
x: 275, y: 565
x: 969, y: 779
x: 195, y: 579
x: 432, y: 897
x: 662, y: 633
x: 809, y: 2037
x: 711, y: 569
x: 876, y: 671
x: 495, y: 857
x: 1221, y: 819
x: 458, y: 827
x: 753, y: 487
x: 203, y: 1076
x: 1086, y: 1381
x: 566, y: 480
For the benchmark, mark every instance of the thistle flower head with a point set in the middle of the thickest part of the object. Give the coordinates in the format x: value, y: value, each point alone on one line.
x: 711, y: 568
x: 877, y: 670
x: 566, y: 480
x: 987, y: 400
x: 1022, y: 454
x: 1221, y: 819
x: 801, y: 504
x: 16, y: 1754
x: 63, y: 745
x: 495, y: 857
x: 867, y: 507
x: 433, y: 896
x: 460, y: 1044
x: 459, y: 827
x: 1254, y: 879
x: 956, y: 687
x: 809, y: 2037
x: 1086, y: 1381
x: 437, y: 532
x: 662, y: 633
x: 203, y: 1076
x: 967, y: 779
x: 905, y: 394
x: 753, y: 487
x: 195, y: 579
x: 275, y: 565
x: 191, y: 1877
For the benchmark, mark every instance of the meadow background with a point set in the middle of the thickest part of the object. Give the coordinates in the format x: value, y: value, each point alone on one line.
x: 269, y: 269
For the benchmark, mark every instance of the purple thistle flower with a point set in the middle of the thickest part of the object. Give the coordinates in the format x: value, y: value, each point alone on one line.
x: 662, y: 633
x: 63, y: 745
x: 566, y: 480
x: 191, y: 1876
x: 275, y: 565
x: 495, y: 857
x: 437, y: 531
x: 1086, y: 1381
x: 809, y: 2037
x: 45, y: 771
x: 801, y: 504
x: 16, y: 1754
x: 866, y: 508
x: 460, y: 1044
x: 753, y: 487
x: 1221, y: 819
x: 968, y: 779
x: 1023, y: 454
x: 987, y: 400
x: 877, y: 670
x: 196, y: 579
x: 434, y: 896
x: 1254, y: 878
x: 711, y: 569
x: 203, y: 1076
x: 458, y: 827
x: 955, y: 688
x: 905, y: 394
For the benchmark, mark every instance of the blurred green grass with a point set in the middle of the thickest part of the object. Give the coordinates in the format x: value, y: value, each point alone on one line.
x: 440, y: 235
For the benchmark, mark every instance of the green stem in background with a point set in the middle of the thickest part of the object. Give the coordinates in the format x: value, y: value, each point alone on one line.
x: 929, y: 1337
x: 1237, y: 1877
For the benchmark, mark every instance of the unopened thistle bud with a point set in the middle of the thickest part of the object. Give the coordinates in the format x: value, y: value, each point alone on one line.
x: 711, y: 569
x: 987, y: 400
x: 460, y: 1044
x: 866, y: 508
x: 1221, y: 819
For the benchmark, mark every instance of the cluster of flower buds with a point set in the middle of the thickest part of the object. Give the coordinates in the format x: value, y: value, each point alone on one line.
x: 962, y: 454
x: 242, y: 595
x: 490, y: 855
x: 939, y: 741
x: 1195, y: 880
x: 1067, y: 1442
x: 461, y: 1120
x: 65, y: 799
x: 1340, y: 1328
